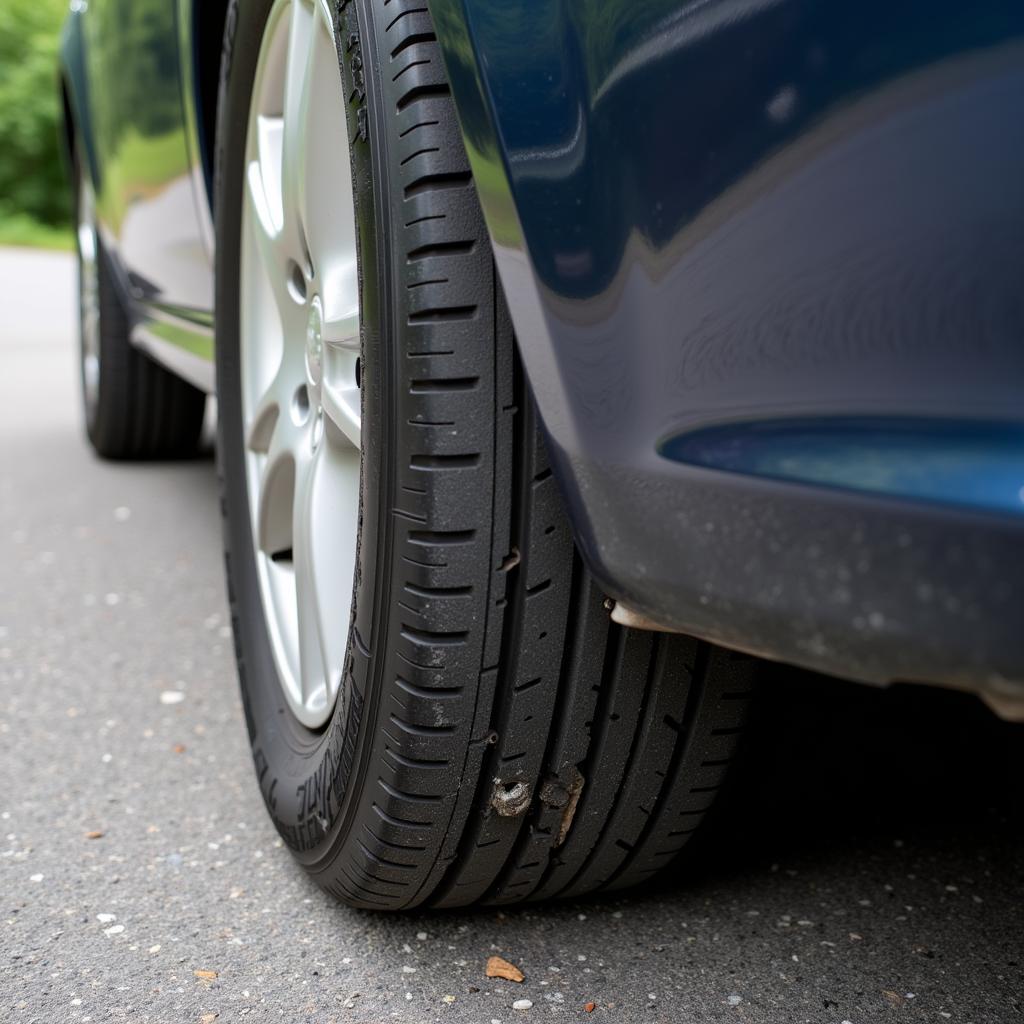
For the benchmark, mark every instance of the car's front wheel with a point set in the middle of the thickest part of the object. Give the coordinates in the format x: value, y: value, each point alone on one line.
x: 440, y: 709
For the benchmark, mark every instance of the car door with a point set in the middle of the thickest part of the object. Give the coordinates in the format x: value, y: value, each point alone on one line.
x: 147, y: 200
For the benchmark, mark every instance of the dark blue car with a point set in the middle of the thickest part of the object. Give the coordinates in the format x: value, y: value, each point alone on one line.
x: 570, y: 358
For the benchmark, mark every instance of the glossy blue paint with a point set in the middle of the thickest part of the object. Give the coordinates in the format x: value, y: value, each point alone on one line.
x: 747, y: 211
x: 977, y: 465
x: 753, y: 200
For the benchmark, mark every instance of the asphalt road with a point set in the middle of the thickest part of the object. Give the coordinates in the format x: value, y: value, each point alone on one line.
x: 867, y: 864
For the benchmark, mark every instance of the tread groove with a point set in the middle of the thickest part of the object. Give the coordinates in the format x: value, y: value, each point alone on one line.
x: 423, y: 92
x: 439, y: 315
x: 437, y: 182
x: 690, y: 711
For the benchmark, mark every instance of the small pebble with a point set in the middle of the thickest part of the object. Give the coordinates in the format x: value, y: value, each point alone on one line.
x: 522, y: 1004
x: 171, y: 697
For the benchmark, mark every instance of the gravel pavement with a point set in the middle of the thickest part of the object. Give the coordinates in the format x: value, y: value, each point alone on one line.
x: 866, y: 865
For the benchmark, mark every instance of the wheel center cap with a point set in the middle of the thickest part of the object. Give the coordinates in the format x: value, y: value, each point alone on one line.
x: 315, y: 342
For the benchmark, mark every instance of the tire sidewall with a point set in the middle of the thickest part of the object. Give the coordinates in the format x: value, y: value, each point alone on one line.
x: 306, y: 778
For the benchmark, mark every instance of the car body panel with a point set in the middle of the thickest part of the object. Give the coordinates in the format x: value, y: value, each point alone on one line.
x: 730, y: 215
x: 123, y: 67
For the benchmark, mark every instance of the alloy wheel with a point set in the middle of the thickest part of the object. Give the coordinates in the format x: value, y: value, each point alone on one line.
x: 300, y: 365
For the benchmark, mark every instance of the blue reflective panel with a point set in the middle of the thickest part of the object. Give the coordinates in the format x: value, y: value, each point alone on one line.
x: 980, y: 465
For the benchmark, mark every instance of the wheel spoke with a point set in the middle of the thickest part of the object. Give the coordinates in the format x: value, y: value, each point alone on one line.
x: 323, y: 558
x: 275, y: 312
x: 312, y: 669
x: 340, y: 390
x: 266, y: 226
x: 328, y: 173
x: 276, y: 433
x: 295, y: 141
x: 341, y: 327
x: 342, y: 406
x: 274, y: 529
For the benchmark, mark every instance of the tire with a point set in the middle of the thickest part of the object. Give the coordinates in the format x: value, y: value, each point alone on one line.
x: 134, y: 408
x: 496, y: 737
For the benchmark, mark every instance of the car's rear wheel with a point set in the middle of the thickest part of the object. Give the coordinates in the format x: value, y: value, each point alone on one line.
x: 440, y: 709
x: 134, y: 408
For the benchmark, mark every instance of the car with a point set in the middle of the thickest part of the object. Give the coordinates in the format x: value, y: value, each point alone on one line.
x: 571, y: 361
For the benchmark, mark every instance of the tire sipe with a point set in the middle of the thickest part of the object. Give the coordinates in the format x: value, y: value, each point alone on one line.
x: 495, y: 737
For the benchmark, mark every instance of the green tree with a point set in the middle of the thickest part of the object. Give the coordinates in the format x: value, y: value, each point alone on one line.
x: 31, y: 176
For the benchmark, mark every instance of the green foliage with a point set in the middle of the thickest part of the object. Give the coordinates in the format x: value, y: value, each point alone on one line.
x: 21, y: 230
x: 32, y: 180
